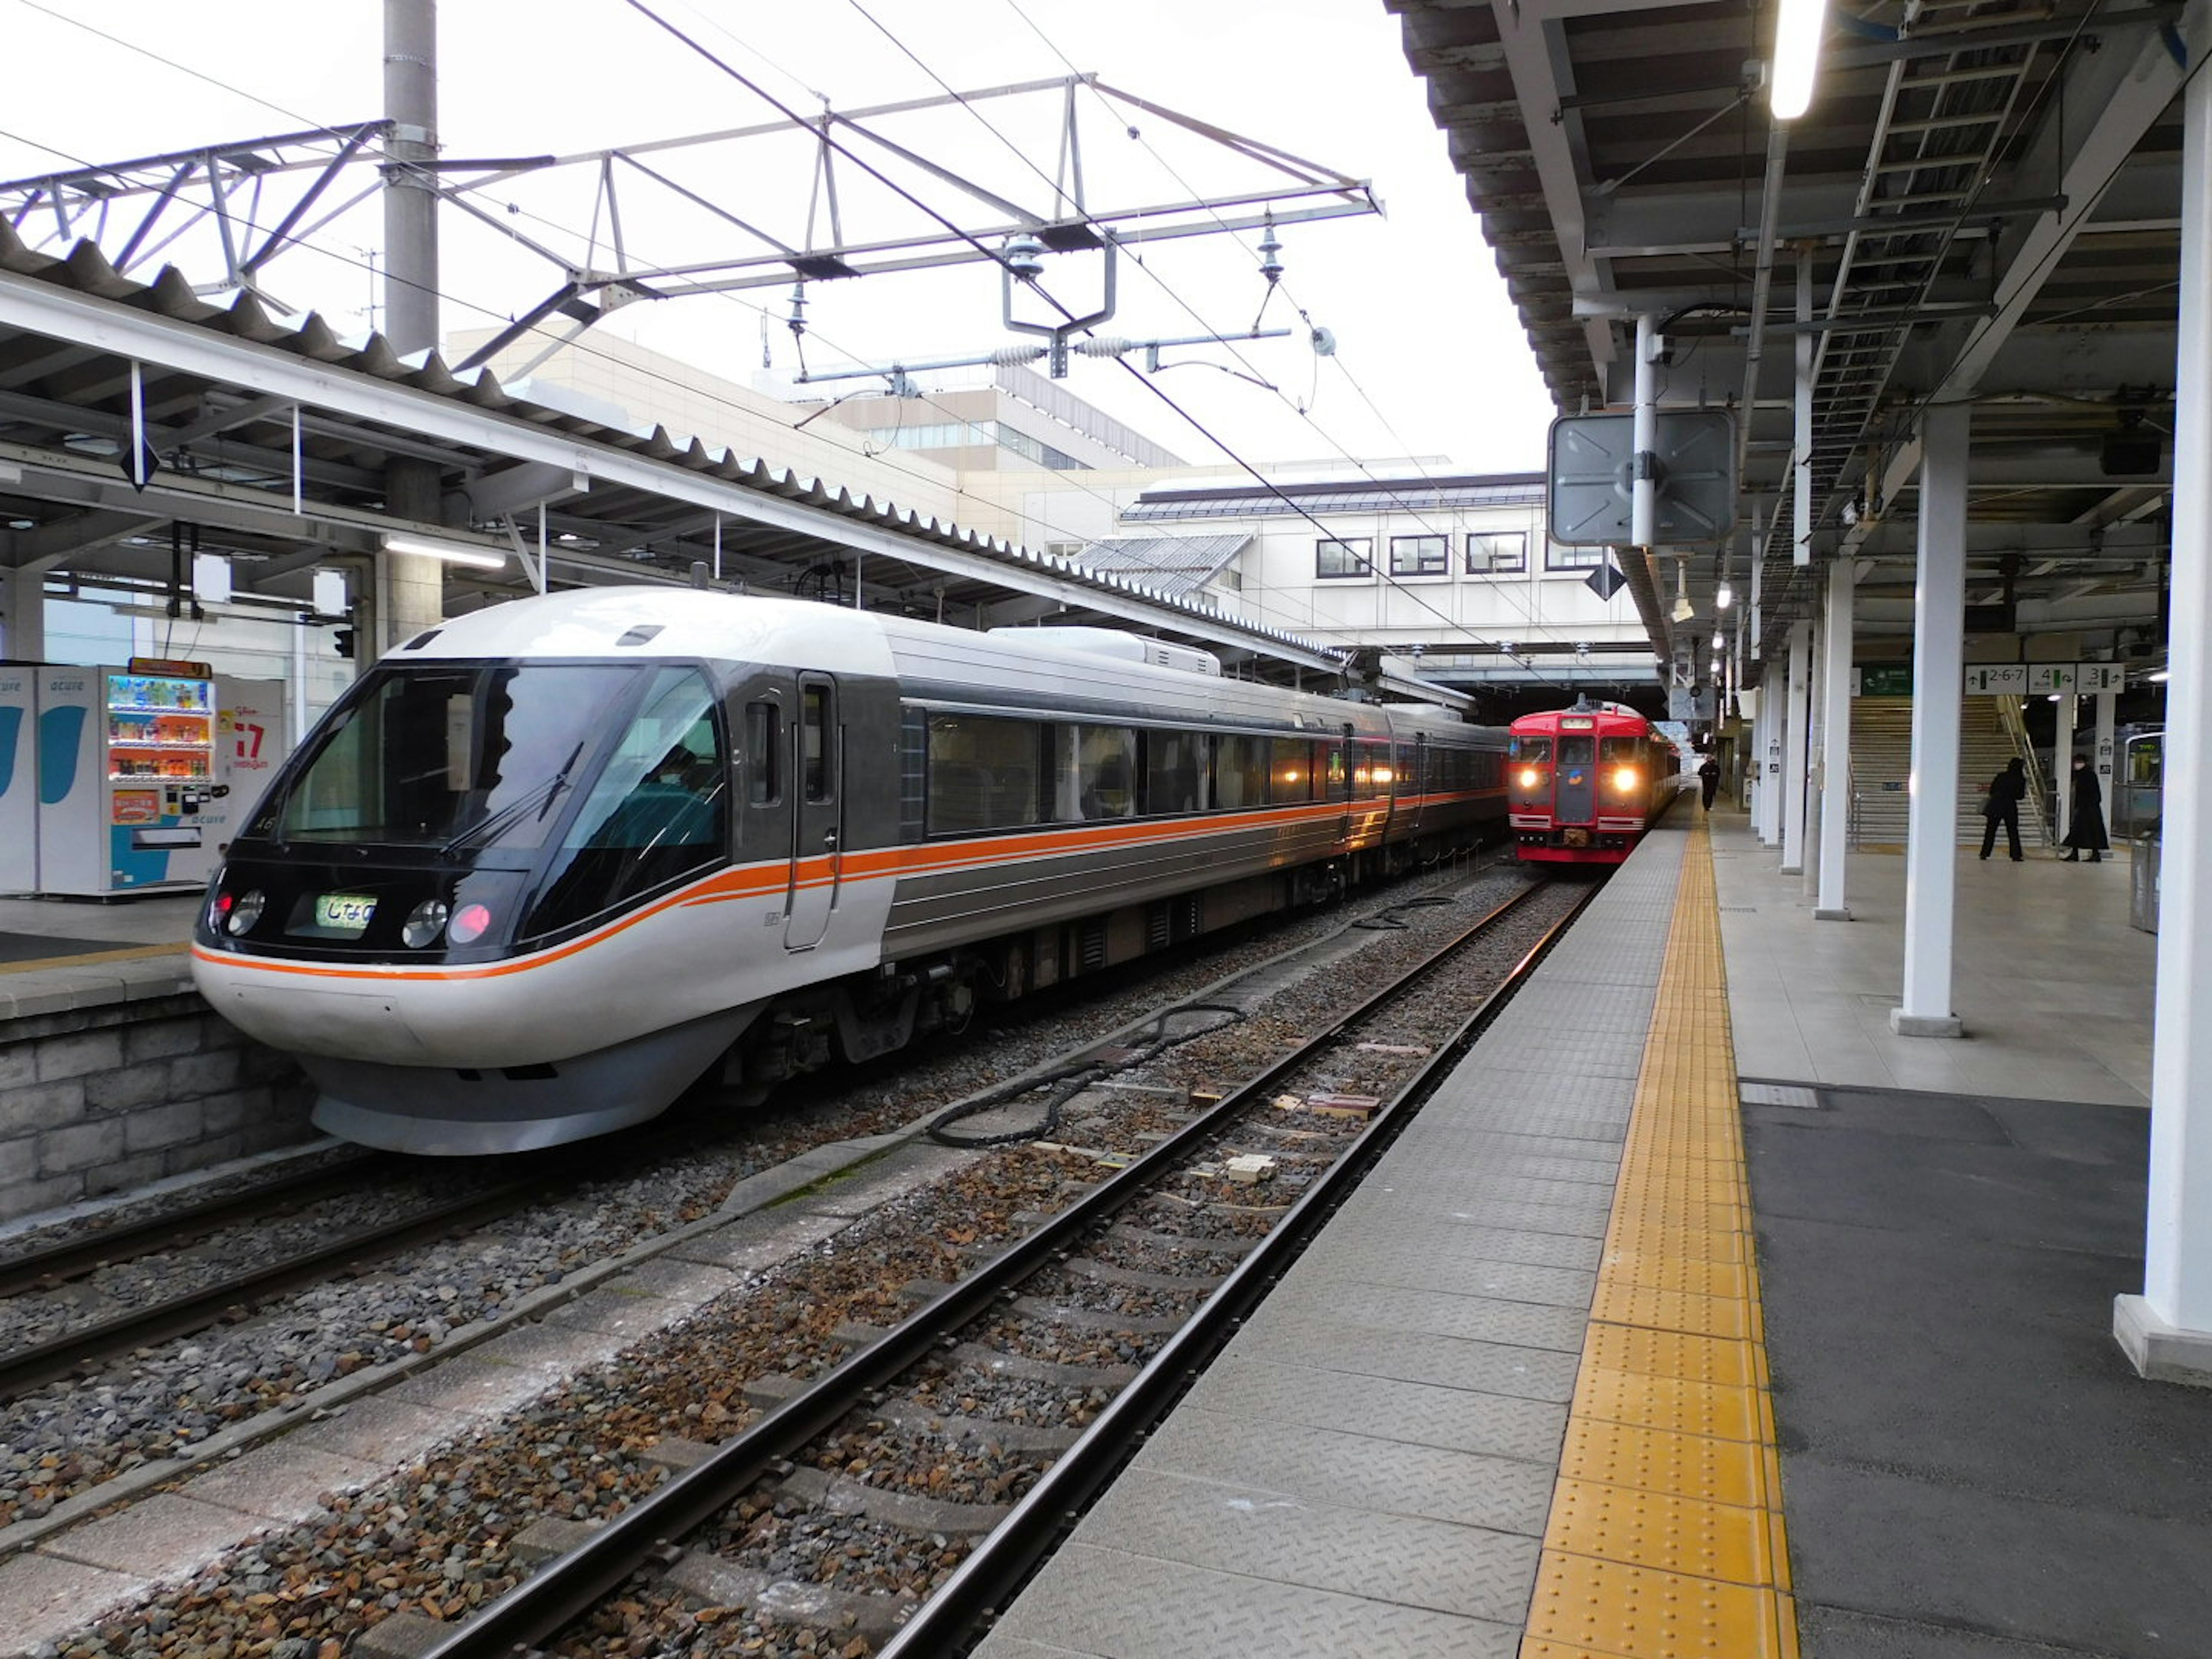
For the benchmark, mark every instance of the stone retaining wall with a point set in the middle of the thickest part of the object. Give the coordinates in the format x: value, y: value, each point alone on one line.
x: 95, y: 1100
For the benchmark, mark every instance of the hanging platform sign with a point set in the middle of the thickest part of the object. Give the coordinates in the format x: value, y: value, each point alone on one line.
x: 1592, y: 474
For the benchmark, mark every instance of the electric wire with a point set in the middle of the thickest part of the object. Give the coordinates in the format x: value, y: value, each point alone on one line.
x: 1390, y: 579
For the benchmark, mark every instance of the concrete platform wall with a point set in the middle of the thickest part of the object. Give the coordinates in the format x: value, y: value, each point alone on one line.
x: 96, y: 1099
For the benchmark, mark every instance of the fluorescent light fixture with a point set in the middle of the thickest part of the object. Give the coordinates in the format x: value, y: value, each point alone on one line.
x: 1797, y: 56
x: 1717, y: 641
x: 421, y: 547
x: 2156, y: 677
x: 1723, y: 597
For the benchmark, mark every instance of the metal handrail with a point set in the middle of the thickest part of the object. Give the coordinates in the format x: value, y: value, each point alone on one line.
x: 2013, y: 719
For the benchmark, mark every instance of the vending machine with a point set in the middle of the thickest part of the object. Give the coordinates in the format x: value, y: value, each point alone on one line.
x: 19, y: 778
x: 126, y: 764
x: 252, y: 736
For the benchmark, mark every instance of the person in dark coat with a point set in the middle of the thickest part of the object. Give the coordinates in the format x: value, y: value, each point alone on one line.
x: 1709, y: 776
x: 2006, y: 790
x: 2085, y: 824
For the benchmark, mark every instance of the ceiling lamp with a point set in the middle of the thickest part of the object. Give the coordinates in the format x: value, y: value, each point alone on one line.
x: 422, y: 547
x: 1723, y: 597
x: 1796, y: 57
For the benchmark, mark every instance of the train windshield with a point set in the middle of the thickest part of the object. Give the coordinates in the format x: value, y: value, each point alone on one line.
x: 444, y: 756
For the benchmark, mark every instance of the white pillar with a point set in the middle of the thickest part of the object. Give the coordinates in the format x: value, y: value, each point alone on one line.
x: 23, y: 613
x: 1816, y: 726
x: 2105, y: 761
x: 2167, y: 1330
x: 1938, y: 669
x: 2062, y: 766
x: 1794, y: 748
x: 1836, y: 738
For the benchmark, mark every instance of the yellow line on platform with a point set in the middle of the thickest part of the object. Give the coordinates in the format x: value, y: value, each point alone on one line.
x: 126, y: 953
x: 1666, y: 1536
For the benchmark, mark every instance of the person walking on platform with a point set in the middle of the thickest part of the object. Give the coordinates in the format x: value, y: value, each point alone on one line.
x: 2085, y: 825
x: 1709, y: 776
x: 2006, y: 790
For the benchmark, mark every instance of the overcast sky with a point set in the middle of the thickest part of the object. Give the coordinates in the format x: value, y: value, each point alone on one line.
x: 1432, y: 361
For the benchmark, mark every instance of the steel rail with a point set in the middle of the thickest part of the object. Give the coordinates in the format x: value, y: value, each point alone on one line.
x: 998, y: 1566
x: 73, y: 1258
x: 534, y: 1611
x: 87, y: 1345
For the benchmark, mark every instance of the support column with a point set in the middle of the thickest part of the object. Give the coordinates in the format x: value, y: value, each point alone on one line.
x: 2167, y: 1330
x: 1794, y: 748
x: 1931, y: 847
x: 2104, y: 760
x: 410, y: 591
x: 410, y: 202
x: 1836, y: 738
x: 23, y: 613
x: 2062, y: 767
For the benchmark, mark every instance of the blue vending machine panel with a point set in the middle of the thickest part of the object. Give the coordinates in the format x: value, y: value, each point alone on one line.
x: 19, y: 779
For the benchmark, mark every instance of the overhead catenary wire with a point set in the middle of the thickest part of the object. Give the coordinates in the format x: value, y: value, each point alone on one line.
x: 1388, y: 578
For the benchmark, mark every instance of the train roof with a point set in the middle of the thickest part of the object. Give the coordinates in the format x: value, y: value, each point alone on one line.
x: 1610, y: 719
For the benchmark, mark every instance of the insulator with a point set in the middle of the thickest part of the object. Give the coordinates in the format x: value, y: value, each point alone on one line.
x: 1106, y: 346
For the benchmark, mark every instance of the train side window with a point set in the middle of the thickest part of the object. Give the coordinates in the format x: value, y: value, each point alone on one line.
x: 983, y: 773
x: 1289, y: 770
x: 1339, y: 773
x: 1240, y: 772
x: 763, y: 743
x: 817, y: 768
x: 1105, y: 771
x: 1174, y: 772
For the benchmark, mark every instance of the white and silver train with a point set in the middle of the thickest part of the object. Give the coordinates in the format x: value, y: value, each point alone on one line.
x: 545, y: 866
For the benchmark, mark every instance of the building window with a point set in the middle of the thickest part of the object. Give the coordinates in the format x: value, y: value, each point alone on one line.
x: 1493, y: 552
x: 1420, y: 556
x: 1344, y: 559
x: 1557, y: 557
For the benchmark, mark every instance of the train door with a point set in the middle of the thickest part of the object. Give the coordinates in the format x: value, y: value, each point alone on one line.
x: 816, y: 855
x: 1575, y: 798
x: 1410, y: 781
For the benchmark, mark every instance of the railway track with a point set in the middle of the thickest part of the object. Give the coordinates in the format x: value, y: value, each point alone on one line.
x: 811, y: 1430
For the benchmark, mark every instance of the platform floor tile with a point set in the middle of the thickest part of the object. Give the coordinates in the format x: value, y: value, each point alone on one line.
x: 1439, y: 1313
x: 1132, y: 1607
x: 1341, y: 1466
x: 1408, y: 1560
x: 1490, y: 1084
x: 1347, y: 1349
x: 1462, y: 1417
x: 1463, y: 1234
x: 1463, y: 1275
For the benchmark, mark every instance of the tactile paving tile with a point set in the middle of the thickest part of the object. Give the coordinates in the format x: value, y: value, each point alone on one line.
x: 1657, y: 1459
x: 1692, y: 1276
x: 1661, y: 1529
x: 1260, y: 1533
x: 1646, y: 1353
x: 1136, y: 1608
x: 1458, y: 1418
x: 1670, y: 1310
x: 1655, y: 1239
x: 1354, y: 1470
x: 1616, y: 1609
x: 1667, y: 1402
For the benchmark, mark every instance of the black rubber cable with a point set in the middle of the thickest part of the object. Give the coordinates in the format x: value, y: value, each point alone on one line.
x: 1071, y: 1080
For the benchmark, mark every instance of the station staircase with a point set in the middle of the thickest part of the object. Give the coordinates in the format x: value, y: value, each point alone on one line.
x: 1989, y: 736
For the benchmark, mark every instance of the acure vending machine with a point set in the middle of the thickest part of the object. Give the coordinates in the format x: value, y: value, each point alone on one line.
x: 19, y: 778
x: 126, y: 761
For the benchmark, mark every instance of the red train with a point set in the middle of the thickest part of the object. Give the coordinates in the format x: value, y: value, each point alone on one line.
x: 1583, y: 784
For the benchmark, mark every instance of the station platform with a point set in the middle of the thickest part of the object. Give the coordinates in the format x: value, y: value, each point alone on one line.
x: 56, y: 956
x: 1698, y: 1314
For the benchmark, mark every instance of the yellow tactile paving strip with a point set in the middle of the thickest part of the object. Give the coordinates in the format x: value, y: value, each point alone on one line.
x: 93, y: 958
x: 1666, y: 1537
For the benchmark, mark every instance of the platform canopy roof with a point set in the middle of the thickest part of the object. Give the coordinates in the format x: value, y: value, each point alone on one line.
x: 1981, y: 205
x: 274, y: 440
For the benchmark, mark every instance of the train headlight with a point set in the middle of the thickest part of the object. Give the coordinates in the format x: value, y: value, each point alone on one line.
x: 1530, y: 777
x: 469, y: 924
x: 245, y: 912
x: 1625, y: 780
x: 424, y: 923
